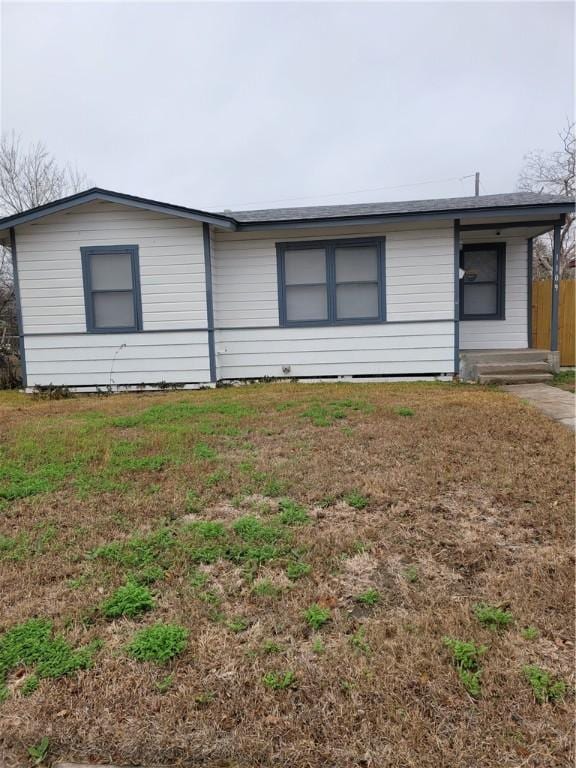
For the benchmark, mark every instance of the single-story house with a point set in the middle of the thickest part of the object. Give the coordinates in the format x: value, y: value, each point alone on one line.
x: 120, y: 291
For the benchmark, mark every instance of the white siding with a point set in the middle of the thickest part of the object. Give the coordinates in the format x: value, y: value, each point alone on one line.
x: 173, y: 297
x: 353, y: 350
x: 103, y: 359
x: 512, y: 332
x: 419, y: 263
x: 171, y: 266
x: 419, y: 287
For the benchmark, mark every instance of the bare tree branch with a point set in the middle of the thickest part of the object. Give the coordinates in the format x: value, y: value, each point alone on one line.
x: 29, y: 176
x: 553, y: 173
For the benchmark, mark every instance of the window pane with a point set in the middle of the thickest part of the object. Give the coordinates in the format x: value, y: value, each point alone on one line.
x: 356, y: 263
x: 480, y: 265
x: 306, y: 302
x: 307, y: 266
x: 113, y: 310
x: 110, y: 270
x: 356, y: 300
x: 480, y: 299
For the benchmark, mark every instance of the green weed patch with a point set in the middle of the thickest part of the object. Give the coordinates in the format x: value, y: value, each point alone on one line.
x: 158, y: 643
x: 34, y: 645
x: 128, y: 600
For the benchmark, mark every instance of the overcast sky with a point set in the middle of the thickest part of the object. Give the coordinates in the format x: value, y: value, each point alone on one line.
x: 224, y: 105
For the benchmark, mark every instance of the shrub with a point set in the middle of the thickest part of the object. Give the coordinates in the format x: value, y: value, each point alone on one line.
x: 545, y: 688
x: 403, y: 411
x: 491, y: 616
x: 316, y: 616
x: 129, y: 600
x: 158, y: 643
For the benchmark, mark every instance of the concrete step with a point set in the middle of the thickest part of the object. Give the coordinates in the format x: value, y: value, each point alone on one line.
x: 535, y: 366
x: 514, y: 378
x: 505, y: 355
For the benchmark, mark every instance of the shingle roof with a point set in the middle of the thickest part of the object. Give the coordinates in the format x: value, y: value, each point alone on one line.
x: 514, y: 199
x: 451, y: 207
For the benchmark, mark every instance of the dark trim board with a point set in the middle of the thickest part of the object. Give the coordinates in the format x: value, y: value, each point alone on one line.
x: 86, y: 253
x: 529, y: 271
x: 500, y: 249
x: 555, y: 288
x: 209, y: 299
x: 244, y: 327
x: 549, y: 224
x: 19, y: 321
x: 456, y: 297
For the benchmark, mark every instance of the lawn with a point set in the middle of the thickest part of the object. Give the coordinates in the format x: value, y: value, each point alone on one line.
x: 565, y: 379
x: 286, y: 575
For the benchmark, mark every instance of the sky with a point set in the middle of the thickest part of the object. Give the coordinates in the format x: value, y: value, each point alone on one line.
x: 226, y: 105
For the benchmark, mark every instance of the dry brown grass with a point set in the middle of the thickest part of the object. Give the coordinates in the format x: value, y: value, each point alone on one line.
x: 474, y: 492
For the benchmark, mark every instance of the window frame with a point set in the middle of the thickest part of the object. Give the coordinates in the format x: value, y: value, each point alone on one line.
x: 329, y: 246
x: 95, y: 250
x: 500, y: 282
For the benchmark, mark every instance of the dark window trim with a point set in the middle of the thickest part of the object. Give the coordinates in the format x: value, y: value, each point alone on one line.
x: 329, y: 247
x: 94, y: 250
x: 500, y: 249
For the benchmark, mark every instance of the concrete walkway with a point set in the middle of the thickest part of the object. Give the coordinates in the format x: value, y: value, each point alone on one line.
x: 554, y: 402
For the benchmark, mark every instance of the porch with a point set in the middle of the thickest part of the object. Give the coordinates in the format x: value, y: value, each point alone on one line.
x: 508, y: 366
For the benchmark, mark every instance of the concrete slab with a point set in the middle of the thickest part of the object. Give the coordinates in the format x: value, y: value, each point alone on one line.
x: 554, y: 402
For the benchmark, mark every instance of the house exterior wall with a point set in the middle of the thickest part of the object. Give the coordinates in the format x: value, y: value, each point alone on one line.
x: 512, y: 331
x: 417, y: 339
x: 173, y: 346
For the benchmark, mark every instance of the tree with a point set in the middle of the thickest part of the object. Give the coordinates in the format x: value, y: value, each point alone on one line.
x: 29, y: 176
x: 553, y: 173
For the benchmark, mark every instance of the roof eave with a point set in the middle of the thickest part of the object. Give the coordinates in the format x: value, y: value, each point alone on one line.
x: 392, y: 218
x: 102, y: 195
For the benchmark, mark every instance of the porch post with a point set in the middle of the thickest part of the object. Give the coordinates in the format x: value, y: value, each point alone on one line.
x: 530, y: 267
x: 555, y: 289
x: 456, y: 297
x: 209, y: 301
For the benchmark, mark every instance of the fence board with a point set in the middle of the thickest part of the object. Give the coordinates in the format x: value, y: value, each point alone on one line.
x: 541, y: 310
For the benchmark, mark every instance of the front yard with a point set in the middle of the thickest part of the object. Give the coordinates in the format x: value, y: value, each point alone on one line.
x: 286, y: 575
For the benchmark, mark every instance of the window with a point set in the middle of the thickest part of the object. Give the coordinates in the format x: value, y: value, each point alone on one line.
x: 111, y: 288
x: 482, y: 286
x: 326, y: 283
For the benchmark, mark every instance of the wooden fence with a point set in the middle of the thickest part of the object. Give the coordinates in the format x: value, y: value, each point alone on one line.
x: 541, y: 309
